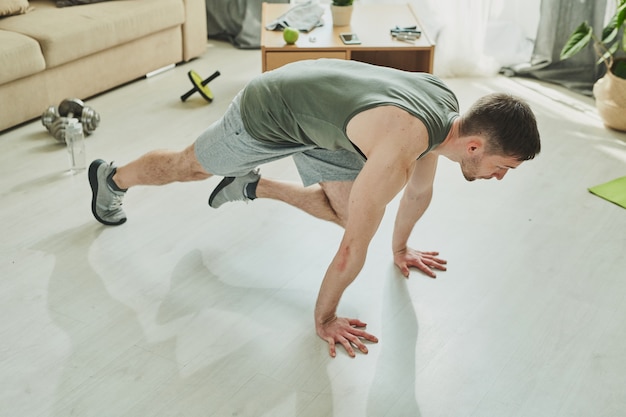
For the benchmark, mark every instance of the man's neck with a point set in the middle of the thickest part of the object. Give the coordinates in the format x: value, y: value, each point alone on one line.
x: 448, y: 147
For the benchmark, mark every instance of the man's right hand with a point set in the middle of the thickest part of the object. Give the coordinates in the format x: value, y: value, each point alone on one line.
x: 347, y: 332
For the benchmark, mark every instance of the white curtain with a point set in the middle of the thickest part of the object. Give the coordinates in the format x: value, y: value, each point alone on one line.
x: 477, y: 37
x: 558, y: 19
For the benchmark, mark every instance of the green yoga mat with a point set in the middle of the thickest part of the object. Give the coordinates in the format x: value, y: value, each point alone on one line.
x: 613, y: 191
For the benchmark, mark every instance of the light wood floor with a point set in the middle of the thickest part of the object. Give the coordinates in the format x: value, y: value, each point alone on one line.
x: 190, y: 311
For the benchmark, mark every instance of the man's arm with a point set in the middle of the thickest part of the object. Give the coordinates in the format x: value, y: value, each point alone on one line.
x: 385, y: 173
x: 413, y: 204
x: 392, y: 140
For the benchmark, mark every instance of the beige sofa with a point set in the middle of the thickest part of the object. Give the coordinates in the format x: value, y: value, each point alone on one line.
x: 48, y: 53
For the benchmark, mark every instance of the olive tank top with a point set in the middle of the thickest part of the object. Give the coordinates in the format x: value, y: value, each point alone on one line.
x: 311, y: 102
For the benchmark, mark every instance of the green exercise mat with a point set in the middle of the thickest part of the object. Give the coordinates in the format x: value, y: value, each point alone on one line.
x: 613, y: 191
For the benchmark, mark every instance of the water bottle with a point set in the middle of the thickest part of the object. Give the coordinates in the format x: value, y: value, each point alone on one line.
x: 75, y: 141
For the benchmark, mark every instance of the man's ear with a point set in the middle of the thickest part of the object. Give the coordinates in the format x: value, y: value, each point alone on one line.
x: 475, y: 146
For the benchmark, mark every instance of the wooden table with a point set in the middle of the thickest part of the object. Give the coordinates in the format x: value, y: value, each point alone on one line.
x: 371, y: 22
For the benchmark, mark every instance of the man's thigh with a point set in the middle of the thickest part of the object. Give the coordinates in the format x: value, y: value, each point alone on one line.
x: 338, y: 194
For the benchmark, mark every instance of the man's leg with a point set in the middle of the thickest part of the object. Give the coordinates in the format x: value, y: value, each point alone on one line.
x: 160, y: 168
x: 326, y: 201
x: 332, y: 174
x: 109, y: 183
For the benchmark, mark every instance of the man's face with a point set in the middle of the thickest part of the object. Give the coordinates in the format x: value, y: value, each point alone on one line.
x: 487, y: 166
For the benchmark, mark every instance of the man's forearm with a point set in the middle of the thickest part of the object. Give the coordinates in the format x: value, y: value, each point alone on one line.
x: 409, y: 212
x: 340, y: 274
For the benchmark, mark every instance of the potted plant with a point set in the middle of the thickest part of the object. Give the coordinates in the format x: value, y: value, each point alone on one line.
x: 341, y: 11
x: 610, y: 90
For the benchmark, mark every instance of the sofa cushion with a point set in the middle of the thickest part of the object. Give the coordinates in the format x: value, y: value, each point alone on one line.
x: 67, y: 34
x: 12, y: 7
x: 20, y: 56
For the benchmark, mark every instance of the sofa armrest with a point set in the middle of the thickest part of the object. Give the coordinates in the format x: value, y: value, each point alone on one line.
x: 194, y: 29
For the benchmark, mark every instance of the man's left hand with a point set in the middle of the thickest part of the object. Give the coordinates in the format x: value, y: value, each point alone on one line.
x: 424, y: 261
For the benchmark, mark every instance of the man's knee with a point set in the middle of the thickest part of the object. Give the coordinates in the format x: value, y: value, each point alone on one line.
x: 194, y: 167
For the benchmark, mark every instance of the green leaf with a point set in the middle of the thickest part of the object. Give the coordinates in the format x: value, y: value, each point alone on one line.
x: 620, y: 14
x: 577, y: 40
x: 612, y: 28
x: 610, y: 31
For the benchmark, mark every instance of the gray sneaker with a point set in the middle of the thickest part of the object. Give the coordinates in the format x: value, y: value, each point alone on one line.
x: 106, y: 203
x: 233, y: 189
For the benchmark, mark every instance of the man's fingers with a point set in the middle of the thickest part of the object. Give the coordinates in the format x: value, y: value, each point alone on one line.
x: 368, y: 336
x: 362, y: 333
x: 331, y: 347
x: 346, y: 344
x: 405, y: 270
x: 436, y: 264
x: 425, y: 269
x: 356, y: 323
x: 359, y: 344
x: 426, y: 265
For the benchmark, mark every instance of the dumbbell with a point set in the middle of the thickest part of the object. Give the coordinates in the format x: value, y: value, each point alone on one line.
x: 56, y: 120
x: 199, y: 85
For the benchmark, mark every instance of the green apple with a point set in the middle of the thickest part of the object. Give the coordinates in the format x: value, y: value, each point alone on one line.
x: 290, y: 35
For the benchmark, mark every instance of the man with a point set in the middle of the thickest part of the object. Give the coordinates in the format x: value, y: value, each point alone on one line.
x: 358, y: 134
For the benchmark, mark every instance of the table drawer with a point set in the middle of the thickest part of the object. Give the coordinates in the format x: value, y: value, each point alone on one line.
x: 274, y: 60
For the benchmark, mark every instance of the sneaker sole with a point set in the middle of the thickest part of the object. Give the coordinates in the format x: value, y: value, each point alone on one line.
x: 224, y: 183
x: 93, y: 182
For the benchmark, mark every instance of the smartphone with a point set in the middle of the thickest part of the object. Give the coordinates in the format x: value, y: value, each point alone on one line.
x: 350, y: 38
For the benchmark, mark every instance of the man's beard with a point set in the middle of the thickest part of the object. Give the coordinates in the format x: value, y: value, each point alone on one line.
x: 469, y: 167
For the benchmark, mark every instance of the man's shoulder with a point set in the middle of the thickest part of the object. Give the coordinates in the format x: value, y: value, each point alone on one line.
x: 388, y: 130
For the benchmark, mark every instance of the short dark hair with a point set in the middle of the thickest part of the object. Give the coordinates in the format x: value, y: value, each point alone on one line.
x: 507, y: 123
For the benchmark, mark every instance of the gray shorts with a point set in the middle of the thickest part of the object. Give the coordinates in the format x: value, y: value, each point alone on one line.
x: 226, y: 149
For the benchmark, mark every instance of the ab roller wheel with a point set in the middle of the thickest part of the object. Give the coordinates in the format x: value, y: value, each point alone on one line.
x: 200, y: 86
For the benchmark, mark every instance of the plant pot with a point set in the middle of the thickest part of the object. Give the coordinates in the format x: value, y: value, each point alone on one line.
x: 341, y: 15
x: 610, y: 95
